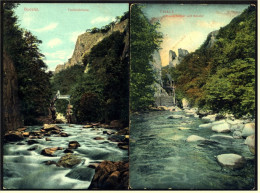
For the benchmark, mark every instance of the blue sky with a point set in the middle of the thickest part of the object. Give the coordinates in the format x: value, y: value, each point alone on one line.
x: 58, y: 25
x: 187, y: 26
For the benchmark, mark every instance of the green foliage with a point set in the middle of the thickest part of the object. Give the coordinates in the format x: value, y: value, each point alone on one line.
x: 33, y: 82
x: 222, y: 78
x: 101, y: 93
x: 144, y: 40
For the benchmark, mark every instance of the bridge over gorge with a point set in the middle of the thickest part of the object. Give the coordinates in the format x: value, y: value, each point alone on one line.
x: 53, y: 109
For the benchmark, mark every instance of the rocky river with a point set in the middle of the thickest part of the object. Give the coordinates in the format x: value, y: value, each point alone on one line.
x: 175, y: 150
x: 58, y: 157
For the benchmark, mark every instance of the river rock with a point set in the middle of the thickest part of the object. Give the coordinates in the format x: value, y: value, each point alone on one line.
x: 93, y: 165
x: 237, y: 127
x: 176, y: 117
x: 21, y: 129
x: 124, y: 131
x: 116, y: 124
x: 237, y: 134
x: 26, y: 134
x: 248, y: 130
x: 87, y: 126
x: 162, y: 108
x: 194, y: 138
x: 50, y: 151
x: 99, y: 138
x: 232, y: 161
x: 30, y: 142
x: 221, y: 128
x: 50, y: 127
x: 206, y: 126
x: 183, y: 128
x: 73, y: 145
x: 250, y: 142
x: 209, y: 118
x: 69, y: 161
x: 111, y: 175
x: 62, y: 134
x: 13, y: 136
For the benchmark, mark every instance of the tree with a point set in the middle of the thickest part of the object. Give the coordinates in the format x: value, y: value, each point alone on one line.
x: 33, y: 82
x: 144, y: 40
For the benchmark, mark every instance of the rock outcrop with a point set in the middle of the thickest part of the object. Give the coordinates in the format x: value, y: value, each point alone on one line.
x: 111, y: 175
x: 12, y: 118
x: 174, y: 59
x: 59, y: 68
x: 88, y: 40
x: 211, y: 39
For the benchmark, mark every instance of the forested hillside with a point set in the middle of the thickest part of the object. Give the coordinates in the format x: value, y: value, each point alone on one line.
x: 98, y: 88
x: 222, y: 77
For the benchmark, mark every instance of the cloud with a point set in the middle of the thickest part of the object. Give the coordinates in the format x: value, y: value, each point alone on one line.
x: 61, y: 54
x: 54, y: 42
x: 49, y: 27
x: 102, y: 19
x: 229, y: 13
x: 74, y: 36
x: 211, y: 24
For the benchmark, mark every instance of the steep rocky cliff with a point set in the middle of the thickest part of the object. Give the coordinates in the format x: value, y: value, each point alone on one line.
x: 157, y: 67
x: 11, y: 115
x: 211, y: 39
x: 87, y: 40
x: 59, y: 68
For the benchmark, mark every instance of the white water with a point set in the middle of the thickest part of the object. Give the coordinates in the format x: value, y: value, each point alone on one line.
x: 24, y: 169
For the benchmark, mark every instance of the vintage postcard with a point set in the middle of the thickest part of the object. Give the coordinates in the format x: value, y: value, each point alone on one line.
x: 65, y: 95
x: 192, y: 96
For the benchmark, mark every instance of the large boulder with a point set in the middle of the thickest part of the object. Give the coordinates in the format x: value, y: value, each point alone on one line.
x: 232, y: 161
x: 209, y: 118
x: 69, y: 161
x: 194, y: 138
x: 221, y: 128
x: 250, y: 142
x: 111, y: 175
x: 248, y: 130
x: 206, y: 126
